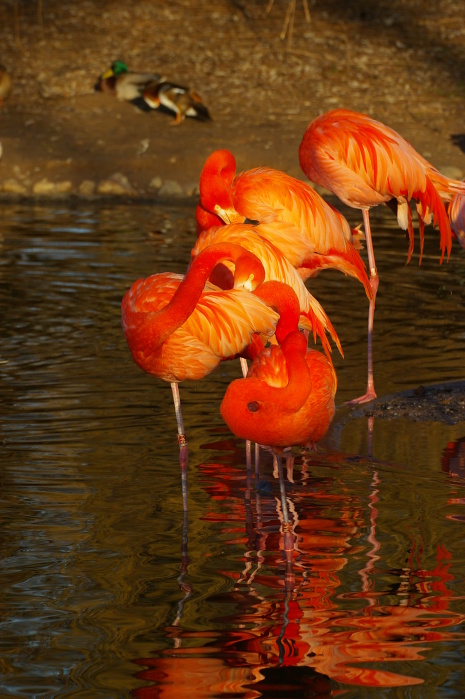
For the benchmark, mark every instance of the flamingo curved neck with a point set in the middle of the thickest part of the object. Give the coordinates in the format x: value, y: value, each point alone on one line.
x: 216, y: 180
x: 284, y: 299
x: 161, y: 324
x: 289, y: 398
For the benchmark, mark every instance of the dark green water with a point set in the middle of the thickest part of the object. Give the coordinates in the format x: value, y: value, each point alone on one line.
x: 98, y: 599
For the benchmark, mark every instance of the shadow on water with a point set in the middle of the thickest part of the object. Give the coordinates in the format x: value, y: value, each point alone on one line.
x: 107, y: 592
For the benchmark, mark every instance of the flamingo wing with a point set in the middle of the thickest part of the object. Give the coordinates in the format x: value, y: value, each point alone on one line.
x: 225, y: 321
x: 278, y: 268
x: 366, y: 163
x: 271, y: 196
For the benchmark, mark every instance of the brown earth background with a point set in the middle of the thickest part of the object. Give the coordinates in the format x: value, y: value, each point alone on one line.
x: 402, y: 62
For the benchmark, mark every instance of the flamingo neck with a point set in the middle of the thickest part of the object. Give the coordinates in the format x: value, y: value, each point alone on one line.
x: 248, y: 272
x: 299, y: 384
x: 284, y: 299
x: 216, y: 180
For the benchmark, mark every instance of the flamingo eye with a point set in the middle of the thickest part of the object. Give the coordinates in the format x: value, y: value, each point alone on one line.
x: 253, y: 406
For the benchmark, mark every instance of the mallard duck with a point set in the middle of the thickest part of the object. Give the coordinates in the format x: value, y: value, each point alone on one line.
x: 124, y: 84
x: 180, y: 100
x: 5, y: 84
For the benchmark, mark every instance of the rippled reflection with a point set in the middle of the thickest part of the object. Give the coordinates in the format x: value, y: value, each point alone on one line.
x: 332, y: 611
x: 108, y: 592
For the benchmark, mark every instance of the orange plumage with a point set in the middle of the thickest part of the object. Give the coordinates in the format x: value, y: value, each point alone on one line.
x: 221, y: 326
x: 177, y: 328
x: 366, y: 163
x: 308, y: 231
x: 276, y: 267
x: 288, y: 396
x: 273, y: 378
x: 180, y: 328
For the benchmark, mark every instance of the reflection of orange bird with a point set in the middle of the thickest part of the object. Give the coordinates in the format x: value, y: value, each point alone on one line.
x: 365, y: 164
x: 276, y: 266
x: 177, y: 328
x: 308, y: 231
x: 288, y: 396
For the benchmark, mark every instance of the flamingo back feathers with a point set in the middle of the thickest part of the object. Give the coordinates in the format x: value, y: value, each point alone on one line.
x: 269, y: 195
x: 220, y: 327
x: 272, y: 421
x: 278, y: 268
x: 366, y: 163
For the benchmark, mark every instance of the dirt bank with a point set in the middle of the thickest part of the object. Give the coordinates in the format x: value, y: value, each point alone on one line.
x: 402, y: 62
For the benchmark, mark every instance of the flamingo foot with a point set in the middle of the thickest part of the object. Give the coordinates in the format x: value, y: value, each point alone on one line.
x: 366, y: 398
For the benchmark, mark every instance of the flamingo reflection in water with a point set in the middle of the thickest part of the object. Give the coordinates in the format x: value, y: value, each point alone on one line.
x: 295, y: 631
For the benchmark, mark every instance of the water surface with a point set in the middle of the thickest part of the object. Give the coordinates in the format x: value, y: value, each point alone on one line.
x: 107, y: 592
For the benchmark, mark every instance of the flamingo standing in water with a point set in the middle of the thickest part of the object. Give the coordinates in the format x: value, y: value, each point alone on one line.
x: 288, y: 396
x: 276, y: 267
x: 312, y: 234
x: 181, y: 328
x: 365, y: 163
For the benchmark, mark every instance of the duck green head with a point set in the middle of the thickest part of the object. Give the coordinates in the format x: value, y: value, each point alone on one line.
x: 119, y: 67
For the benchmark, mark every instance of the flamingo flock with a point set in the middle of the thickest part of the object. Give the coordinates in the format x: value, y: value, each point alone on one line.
x: 261, y: 236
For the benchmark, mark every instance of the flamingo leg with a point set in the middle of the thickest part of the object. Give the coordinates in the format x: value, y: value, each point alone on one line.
x: 287, y: 527
x: 185, y: 587
x: 374, y: 282
x: 182, y: 441
x: 248, y: 444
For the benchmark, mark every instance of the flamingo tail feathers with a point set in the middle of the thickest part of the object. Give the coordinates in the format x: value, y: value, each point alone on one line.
x: 319, y: 329
x: 431, y: 204
x: 350, y: 262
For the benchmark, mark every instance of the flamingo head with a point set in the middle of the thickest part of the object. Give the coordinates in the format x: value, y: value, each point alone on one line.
x: 215, y: 184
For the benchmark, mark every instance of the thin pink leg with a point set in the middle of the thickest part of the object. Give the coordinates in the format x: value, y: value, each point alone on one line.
x: 374, y: 282
x: 182, y: 441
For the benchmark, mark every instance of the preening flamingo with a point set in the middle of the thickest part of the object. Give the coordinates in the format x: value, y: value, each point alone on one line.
x: 288, y: 396
x: 276, y: 267
x: 311, y: 233
x: 181, y: 328
x: 365, y: 163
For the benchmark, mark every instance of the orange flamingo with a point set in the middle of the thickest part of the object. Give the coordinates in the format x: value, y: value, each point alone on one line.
x: 181, y: 328
x: 288, y: 396
x: 365, y: 163
x: 312, y: 234
x: 276, y: 266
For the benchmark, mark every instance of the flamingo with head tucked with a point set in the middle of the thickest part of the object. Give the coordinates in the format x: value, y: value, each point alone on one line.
x: 287, y: 399
x: 181, y: 328
x: 366, y: 163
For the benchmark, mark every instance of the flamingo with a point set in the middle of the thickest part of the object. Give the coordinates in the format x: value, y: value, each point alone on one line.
x: 311, y: 233
x: 181, y: 328
x: 366, y: 163
x: 288, y: 396
x: 276, y: 266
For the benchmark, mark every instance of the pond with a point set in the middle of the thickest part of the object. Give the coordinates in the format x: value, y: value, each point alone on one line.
x: 108, y: 591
